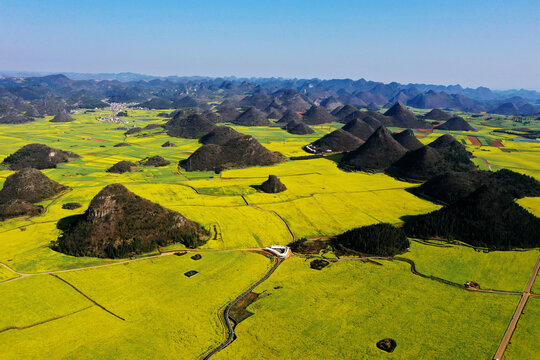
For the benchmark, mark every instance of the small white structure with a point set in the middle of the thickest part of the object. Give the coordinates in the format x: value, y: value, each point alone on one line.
x: 310, y: 148
x: 281, y: 251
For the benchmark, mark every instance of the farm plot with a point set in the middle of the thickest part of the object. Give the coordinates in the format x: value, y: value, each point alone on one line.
x: 6, y: 274
x: 29, y: 251
x: 500, y: 270
x: 164, y: 312
x: 355, y: 304
x: 30, y: 301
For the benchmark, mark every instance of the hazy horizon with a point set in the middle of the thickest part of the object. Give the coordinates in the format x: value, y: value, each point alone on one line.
x: 67, y: 73
x: 483, y: 43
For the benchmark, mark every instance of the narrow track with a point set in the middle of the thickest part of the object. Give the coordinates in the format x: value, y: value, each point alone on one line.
x: 230, y: 327
x: 414, y: 271
x: 43, y: 322
x: 517, y: 314
x: 120, y: 262
x: 87, y: 297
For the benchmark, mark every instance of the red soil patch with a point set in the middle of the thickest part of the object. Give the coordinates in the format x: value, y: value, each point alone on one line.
x: 91, y: 154
x: 322, y: 238
x: 92, y: 139
x: 497, y: 143
x: 425, y: 130
x: 474, y: 140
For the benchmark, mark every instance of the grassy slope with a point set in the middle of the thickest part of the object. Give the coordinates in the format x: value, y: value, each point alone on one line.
x: 353, y: 305
x: 166, y: 313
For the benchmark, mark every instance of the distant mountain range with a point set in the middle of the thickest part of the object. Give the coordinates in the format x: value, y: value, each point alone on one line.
x: 480, y: 93
x: 24, y: 97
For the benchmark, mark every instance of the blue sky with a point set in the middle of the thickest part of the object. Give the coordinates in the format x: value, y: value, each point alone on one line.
x: 473, y: 43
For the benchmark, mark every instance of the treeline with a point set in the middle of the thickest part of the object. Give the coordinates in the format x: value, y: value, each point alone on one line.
x: 487, y: 218
x: 379, y: 239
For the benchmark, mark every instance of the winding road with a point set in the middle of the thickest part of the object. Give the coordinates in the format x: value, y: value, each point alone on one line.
x: 230, y: 328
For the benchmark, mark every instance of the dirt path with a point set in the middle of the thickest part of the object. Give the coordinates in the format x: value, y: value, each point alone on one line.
x: 120, y: 262
x: 413, y: 270
x: 230, y: 327
x: 488, y: 164
x: 517, y: 314
x: 264, y: 177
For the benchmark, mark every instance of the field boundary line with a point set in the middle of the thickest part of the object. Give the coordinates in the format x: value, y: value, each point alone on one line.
x: 264, y: 177
x: 86, y: 296
x: 43, y: 322
x: 9, y: 268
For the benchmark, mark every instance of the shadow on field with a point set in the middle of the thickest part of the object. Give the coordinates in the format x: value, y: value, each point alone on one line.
x: 64, y: 224
x: 406, y: 218
x: 256, y: 187
x: 333, y: 157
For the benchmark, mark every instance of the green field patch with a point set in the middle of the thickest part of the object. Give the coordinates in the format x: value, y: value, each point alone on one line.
x: 239, y: 312
x: 232, y: 190
x: 500, y: 270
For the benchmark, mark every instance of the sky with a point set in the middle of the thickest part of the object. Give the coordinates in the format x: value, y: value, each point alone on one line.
x: 472, y: 43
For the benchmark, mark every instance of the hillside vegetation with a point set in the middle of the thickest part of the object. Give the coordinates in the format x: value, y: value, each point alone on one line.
x: 119, y: 223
